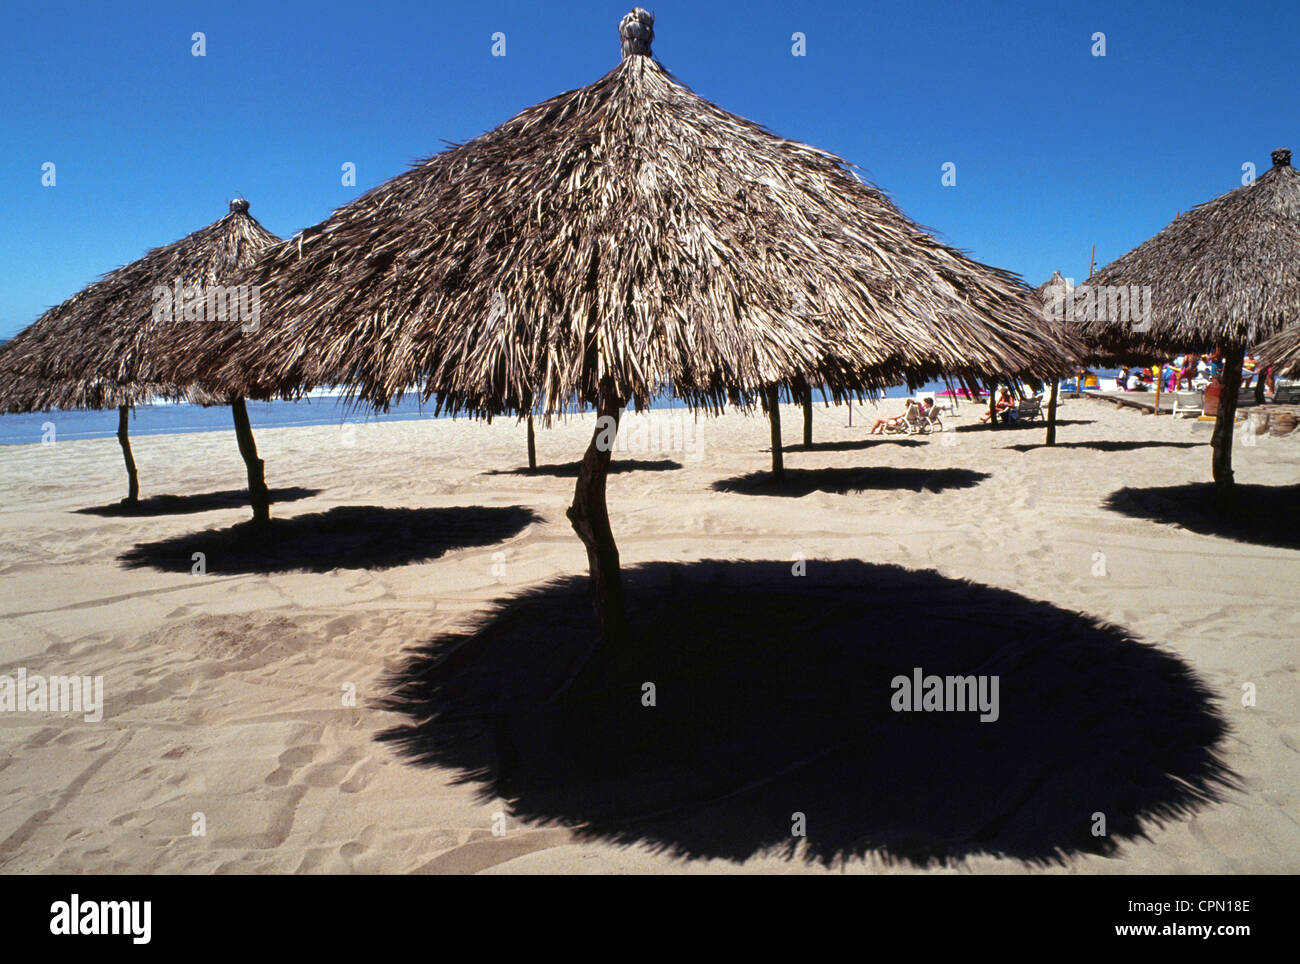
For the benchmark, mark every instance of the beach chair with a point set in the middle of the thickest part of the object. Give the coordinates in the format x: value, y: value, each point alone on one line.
x: 1029, y: 409
x: 942, y: 403
x: 914, y: 422
x: 1188, y: 403
x: 1287, y: 395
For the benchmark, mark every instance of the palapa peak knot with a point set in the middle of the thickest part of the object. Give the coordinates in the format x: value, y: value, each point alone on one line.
x: 239, y: 206
x: 637, y: 31
x: 1281, y: 157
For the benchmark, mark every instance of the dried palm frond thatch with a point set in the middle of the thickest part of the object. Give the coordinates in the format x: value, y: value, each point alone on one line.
x: 101, y: 347
x: 614, y: 241
x: 1282, y: 351
x: 1223, y: 274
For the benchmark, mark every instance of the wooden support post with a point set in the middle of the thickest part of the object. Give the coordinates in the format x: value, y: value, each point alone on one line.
x: 993, y: 404
x: 532, y: 447
x: 258, y: 495
x: 807, y: 414
x: 590, y: 519
x: 1051, y: 413
x: 124, y: 440
x: 1221, y: 440
x: 774, y: 416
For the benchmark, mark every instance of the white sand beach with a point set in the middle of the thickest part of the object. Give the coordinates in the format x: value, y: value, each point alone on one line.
x: 224, y: 692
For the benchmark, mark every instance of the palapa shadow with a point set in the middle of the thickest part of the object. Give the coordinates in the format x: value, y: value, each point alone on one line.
x: 852, y: 445
x: 348, y: 537
x: 569, y: 470
x: 801, y: 482
x: 773, y: 698
x: 1038, y: 425
x: 1109, y: 445
x: 202, y: 502
x: 1265, y: 515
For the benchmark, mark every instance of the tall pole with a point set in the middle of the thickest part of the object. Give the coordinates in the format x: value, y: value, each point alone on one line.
x: 532, y: 446
x: 807, y: 414
x: 124, y: 440
x: 590, y: 518
x: 1051, y: 414
x: 1221, y: 440
x: 774, y: 416
x: 258, y: 495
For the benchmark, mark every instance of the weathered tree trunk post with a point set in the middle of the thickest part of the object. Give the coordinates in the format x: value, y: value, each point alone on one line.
x: 1221, y: 440
x: 532, y: 447
x: 1051, y: 414
x: 774, y: 416
x: 124, y: 440
x: 807, y: 414
x: 993, y: 404
x: 258, y: 495
x: 1160, y: 377
x: 1261, y: 377
x: 590, y: 520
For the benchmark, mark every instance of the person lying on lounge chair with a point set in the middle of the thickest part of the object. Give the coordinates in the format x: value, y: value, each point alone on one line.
x: 878, y: 426
x: 1004, y: 402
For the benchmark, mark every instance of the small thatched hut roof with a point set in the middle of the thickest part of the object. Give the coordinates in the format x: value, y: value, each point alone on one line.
x: 99, y: 348
x: 628, y: 232
x: 1225, y: 273
x: 1282, y: 351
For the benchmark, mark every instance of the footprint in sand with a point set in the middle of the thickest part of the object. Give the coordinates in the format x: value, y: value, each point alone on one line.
x: 291, y: 761
x: 331, y: 773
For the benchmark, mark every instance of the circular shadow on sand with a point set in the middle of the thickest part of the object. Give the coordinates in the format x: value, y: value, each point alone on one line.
x: 772, y: 698
x: 201, y: 502
x: 1265, y: 515
x: 345, y: 537
x: 569, y: 470
x: 800, y: 482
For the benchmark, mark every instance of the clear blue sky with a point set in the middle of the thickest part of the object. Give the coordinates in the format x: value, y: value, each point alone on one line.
x: 1055, y: 149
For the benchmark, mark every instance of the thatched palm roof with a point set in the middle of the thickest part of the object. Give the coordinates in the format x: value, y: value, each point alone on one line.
x: 1282, y: 351
x: 1225, y: 273
x: 628, y: 231
x: 1066, y: 335
x: 99, y: 348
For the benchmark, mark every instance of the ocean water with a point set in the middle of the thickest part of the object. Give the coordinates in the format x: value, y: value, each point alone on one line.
x: 166, y: 418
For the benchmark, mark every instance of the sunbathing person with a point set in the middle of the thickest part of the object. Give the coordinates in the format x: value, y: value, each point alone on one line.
x: 1004, y: 402
x: 878, y: 426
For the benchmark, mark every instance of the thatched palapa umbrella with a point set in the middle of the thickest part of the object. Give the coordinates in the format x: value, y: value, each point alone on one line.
x: 608, y: 243
x: 1223, y: 274
x: 1282, y: 352
x: 100, y: 348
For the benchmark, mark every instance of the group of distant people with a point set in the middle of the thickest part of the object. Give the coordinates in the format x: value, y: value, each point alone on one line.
x: 1194, y: 370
